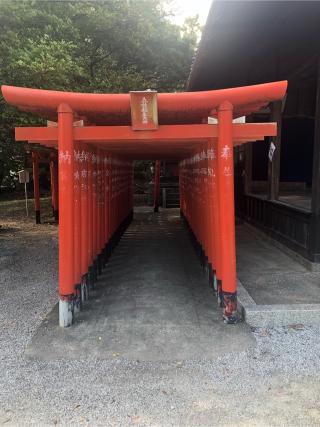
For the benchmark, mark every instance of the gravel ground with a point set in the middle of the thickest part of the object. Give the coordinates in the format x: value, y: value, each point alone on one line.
x: 277, y: 383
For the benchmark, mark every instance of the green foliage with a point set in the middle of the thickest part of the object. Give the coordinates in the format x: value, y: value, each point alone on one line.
x: 88, y: 46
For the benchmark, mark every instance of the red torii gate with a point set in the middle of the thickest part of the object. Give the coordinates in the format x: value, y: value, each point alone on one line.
x: 95, y: 173
x: 45, y: 156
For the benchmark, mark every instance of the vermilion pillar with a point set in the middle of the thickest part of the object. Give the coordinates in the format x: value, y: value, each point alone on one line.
x: 214, y: 215
x: 36, y: 186
x: 206, y: 208
x: 54, y: 185
x: 226, y: 212
x: 105, y: 202
x: 66, y: 225
x: 51, y: 181
x: 210, y: 207
x: 156, y: 186
x: 102, y: 194
x: 203, y: 207
x: 111, y: 198
x: 106, y: 196
x: 77, y: 227
x: 84, y: 208
x: 94, y: 212
x: 90, y: 216
x: 99, y: 212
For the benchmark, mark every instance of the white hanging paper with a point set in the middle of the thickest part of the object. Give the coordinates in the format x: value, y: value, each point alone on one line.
x: 271, y: 151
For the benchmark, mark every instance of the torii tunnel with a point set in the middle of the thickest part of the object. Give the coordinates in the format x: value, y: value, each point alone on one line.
x: 98, y: 137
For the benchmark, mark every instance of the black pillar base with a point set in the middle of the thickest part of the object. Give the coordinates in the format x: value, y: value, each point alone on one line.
x: 85, y: 288
x: 38, y: 217
x: 91, y: 277
x: 107, y: 253
x: 77, y: 299
x: 219, y: 293
x: 210, y: 275
x: 104, y: 257
x: 95, y: 270
x: 226, y: 300
x: 229, y: 308
x: 99, y: 263
x: 205, y: 262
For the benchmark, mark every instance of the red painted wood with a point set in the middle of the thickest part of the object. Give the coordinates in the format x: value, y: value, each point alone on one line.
x: 95, y: 169
x: 66, y: 202
x: 183, y: 107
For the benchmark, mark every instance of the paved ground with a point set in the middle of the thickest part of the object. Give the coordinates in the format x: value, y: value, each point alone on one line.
x: 272, y: 380
x: 271, y: 276
x: 152, y: 303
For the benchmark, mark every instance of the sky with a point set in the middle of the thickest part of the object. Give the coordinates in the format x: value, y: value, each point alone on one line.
x: 185, y: 8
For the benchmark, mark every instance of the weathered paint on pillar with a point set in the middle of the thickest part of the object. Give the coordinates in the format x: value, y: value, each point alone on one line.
x: 36, y: 186
x: 66, y: 225
x: 227, y: 212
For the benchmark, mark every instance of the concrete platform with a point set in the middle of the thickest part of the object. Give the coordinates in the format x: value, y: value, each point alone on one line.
x: 153, y: 302
x: 278, y: 289
x: 302, y: 201
x: 297, y: 199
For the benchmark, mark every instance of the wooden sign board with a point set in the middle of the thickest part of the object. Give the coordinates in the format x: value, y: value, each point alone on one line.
x: 144, y: 110
x: 23, y: 176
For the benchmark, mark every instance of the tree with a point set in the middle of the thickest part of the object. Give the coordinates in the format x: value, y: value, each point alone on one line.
x: 88, y: 46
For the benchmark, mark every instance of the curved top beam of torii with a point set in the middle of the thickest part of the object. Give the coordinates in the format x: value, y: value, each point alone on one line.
x: 173, y: 108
